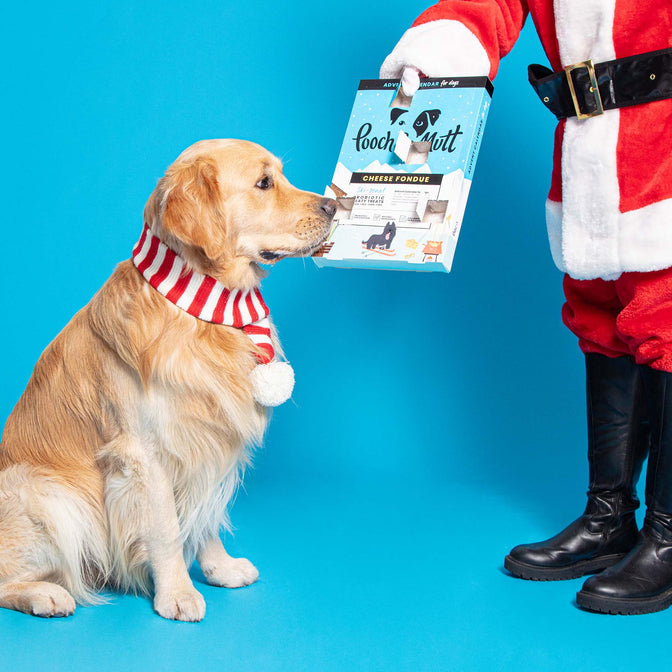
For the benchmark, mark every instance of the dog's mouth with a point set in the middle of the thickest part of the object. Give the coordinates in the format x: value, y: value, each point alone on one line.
x: 270, y: 256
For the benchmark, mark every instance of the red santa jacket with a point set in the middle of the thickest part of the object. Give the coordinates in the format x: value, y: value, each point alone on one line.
x: 609, y: 208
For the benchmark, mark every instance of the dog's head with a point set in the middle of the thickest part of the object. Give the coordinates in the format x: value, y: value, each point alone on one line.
x: 225, y: 207
x: 390, y: 229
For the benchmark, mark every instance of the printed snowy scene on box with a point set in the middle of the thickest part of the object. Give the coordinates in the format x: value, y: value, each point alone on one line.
x: 404, y: 173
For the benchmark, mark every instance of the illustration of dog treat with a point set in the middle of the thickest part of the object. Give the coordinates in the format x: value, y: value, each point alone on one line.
x: 405, y: 170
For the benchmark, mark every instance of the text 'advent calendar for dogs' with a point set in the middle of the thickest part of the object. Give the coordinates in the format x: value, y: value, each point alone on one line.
x: 404, y: 173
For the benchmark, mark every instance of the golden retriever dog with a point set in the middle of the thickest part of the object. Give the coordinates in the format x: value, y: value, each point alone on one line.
x: 119, y: 460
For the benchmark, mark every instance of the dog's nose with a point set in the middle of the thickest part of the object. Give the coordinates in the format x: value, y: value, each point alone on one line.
x: 328, y: 206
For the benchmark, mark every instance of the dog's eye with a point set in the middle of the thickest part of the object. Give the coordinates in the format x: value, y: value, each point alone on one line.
x: 265, y: 183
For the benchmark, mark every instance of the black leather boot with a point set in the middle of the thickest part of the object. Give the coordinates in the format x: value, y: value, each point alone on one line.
x: 618, y: 441
x: 642, y: 582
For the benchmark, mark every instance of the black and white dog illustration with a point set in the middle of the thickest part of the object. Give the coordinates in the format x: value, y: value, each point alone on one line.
x: 423, y: 121
x: 395, y: 113
x: 383, y: 239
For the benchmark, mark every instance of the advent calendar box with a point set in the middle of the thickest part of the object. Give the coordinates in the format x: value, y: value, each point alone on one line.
x: 404, y: 173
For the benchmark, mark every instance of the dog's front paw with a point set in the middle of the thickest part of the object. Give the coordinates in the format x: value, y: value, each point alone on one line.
x: 232, y: 573
x: 180, y: 605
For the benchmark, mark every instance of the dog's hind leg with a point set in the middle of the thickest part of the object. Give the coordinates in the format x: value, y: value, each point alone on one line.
x: 43, y: 539
x: 26, y: 557
x: 22, y: 548
x: 39, y: 598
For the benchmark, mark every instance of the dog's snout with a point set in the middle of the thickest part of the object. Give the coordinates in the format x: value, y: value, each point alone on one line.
x: 328, y: 206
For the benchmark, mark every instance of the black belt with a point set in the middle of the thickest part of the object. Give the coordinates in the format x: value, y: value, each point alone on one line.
x: 585, y: 89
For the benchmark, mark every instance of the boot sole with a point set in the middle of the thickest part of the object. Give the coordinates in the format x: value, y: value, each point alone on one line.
x: 522, y: 570
x: 624, y: 606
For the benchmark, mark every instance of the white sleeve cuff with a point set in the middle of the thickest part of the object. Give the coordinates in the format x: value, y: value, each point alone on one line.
x: 438, y: 49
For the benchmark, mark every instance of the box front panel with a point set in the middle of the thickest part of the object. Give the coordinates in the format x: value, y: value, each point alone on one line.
x: 400, y: 178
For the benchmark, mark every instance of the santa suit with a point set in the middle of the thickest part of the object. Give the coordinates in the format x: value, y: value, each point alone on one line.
x: 609, y: 210
x: 609, y: 217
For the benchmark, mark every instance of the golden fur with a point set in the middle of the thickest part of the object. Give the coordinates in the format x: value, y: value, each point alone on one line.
x: 119, y: 460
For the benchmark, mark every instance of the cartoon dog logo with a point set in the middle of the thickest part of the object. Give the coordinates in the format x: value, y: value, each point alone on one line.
x: 423, y: 121
x: 383, y: 239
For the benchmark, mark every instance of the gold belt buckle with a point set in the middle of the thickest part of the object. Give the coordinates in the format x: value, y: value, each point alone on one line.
x: 593, y: 89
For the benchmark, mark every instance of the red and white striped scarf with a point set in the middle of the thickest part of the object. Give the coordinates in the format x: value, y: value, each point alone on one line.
x: 201, y: 295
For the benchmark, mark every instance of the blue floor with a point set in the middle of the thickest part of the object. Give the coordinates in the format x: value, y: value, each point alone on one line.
x: 393, y: 575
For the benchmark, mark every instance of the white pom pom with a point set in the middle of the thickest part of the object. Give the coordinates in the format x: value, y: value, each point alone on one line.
x: 272, y: 383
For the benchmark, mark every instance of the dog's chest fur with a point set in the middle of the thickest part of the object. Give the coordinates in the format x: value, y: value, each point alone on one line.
x: 205, y: 420
x: 186, y: 405
x: 202, y: 435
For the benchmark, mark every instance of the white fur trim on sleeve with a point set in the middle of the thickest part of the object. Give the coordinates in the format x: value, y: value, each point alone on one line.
x: 438, y: 48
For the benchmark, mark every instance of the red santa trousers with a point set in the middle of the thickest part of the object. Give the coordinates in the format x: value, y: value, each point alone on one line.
x: 628, y: 316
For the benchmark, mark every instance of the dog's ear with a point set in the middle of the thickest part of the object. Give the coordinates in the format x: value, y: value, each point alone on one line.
x: 395, y: 113
x: 191, y: 206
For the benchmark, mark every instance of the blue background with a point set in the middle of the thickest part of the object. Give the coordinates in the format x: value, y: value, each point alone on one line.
x: 437, y: 420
